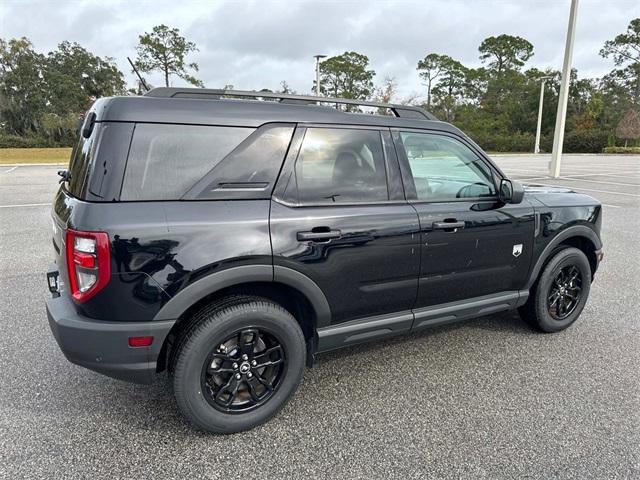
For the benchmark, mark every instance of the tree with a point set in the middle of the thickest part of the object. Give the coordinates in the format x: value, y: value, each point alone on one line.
x: 165, y: 49
x: 346, y: 76
x: 505, y: 52
x: 22, y: 88
x: 625, y: 50
x: 385, y: 93
x: 450, y: 88
x: 629, y: 127
x: 285, y: 88
x: 76, y: 77
x: 388, y: 89
x: 430, y: 68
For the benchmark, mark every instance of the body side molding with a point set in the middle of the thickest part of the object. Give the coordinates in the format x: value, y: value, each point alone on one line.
x: 363, y: 329
x: 349, y: 333
x: 463, y: 309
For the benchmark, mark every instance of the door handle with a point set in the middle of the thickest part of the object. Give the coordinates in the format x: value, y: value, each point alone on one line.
x: 319, y: 234
x: 448, y: 226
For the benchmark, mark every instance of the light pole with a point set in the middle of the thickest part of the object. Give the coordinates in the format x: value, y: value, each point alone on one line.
x: 536, y: 149
x: 318, y: 58
x: 561, y: 115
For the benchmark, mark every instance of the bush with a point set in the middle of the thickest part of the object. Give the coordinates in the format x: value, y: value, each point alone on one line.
x: 497, y: 142
x: 635, y: 150
x: 16, y: 141
x: 585, y: 141
x: 577, y: 141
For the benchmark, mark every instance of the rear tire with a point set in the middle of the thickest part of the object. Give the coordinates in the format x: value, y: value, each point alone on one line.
x: 238, y: 364
x: 560, y: 293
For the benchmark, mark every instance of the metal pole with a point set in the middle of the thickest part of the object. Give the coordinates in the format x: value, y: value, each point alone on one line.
x: 536, y: 149
x: 561, y: 115
x: 318, y: 57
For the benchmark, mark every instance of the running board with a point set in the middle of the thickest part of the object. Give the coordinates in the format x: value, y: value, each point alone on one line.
x: 382, y: 326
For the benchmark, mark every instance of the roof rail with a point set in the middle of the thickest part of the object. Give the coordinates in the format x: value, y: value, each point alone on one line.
x: 405, y: 111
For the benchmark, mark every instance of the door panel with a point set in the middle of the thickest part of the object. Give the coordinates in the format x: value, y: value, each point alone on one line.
x: 370, y: 269
x: 471, y: 244
x: 475, y: 260
x: 340, y: 217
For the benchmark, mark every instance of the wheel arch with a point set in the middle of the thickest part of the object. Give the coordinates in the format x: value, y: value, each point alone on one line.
x: 578, y: 236
x: 294, y: 291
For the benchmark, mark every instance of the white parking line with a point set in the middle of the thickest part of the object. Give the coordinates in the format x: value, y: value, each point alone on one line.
x: 528, y: 170
x: 10, y: 170
x: 608, y: 174
x: 25, y: 205
x: 577, y: 175
x: 591, y: 190
x: 597, y: 181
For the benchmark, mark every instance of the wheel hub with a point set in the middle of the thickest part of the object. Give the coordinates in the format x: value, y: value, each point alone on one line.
x: 245, y: 367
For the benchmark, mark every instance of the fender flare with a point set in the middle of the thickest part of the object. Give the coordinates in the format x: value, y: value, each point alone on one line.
x: 195, y: 292
x: 570, y: 232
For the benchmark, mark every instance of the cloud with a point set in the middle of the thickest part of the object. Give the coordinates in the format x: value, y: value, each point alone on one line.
x: 256, y: 44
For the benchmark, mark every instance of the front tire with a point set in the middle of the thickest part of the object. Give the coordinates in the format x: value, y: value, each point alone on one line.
x: 560, y: 293
x: 238, y: 364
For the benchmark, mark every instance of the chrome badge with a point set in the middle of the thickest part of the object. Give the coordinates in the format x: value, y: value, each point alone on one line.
x: 517, y: 250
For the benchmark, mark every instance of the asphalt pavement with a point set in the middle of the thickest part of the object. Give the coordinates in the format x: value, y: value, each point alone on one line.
x: 488, y: 398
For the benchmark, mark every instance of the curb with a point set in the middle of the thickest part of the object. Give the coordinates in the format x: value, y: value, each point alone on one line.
x: 33, y: 164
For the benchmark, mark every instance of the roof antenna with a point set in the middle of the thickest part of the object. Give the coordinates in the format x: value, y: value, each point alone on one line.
x: 144, y: 84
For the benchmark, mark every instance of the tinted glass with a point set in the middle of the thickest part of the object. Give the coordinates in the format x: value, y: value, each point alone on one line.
x: 444, y: 169
x: 341, y: 165
x: 167, y: 160
x: 81, y: 161
x: 250, y: 170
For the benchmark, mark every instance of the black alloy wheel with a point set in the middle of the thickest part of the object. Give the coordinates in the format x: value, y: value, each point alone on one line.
x: 560, y: 293
x: 564, y: 292
x: 244, y: 371
x: 237, y: 363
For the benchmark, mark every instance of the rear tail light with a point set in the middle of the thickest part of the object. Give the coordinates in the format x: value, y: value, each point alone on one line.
x: 88, y: 263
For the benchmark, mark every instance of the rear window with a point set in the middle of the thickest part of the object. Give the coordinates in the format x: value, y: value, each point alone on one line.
x: 81, y: 162
x: 165, y: 161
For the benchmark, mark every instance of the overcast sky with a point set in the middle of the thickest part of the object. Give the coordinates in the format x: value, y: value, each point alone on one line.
x: 256, y: 44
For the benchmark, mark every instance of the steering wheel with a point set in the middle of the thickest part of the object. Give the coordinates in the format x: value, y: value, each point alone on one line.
x: 463, y: 192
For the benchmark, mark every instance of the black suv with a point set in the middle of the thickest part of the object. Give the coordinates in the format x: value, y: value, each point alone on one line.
x: 227, y: 237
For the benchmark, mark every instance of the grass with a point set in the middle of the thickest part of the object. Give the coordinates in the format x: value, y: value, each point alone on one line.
x: 34, y: 155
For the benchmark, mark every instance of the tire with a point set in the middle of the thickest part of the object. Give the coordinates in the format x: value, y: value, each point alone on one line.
x: 208, y: 359
x: 547, y: 296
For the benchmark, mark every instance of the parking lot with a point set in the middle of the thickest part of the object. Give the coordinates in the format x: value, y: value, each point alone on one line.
x: 488, y: 398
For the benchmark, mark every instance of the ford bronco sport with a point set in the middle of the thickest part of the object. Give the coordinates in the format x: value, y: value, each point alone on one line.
x: 228, y: 237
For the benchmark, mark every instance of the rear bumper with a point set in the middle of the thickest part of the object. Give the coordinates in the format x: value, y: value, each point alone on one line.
x: 104, y: 346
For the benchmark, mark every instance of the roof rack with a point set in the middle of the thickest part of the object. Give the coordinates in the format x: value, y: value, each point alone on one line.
x: 405, y: 111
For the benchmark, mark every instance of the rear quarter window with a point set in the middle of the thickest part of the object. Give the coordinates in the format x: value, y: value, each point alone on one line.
x: 165, y: 161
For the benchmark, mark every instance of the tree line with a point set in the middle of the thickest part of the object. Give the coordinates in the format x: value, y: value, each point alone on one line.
x: 42, y: 96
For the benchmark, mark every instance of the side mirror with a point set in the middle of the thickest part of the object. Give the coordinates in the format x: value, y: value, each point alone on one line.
x: 510, y: 191
x: 88, y: 124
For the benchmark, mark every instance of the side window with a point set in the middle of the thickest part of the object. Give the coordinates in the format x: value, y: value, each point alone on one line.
x: 166, y: 160
x: 341, y: 165
x: 251, y: 169
x: 445, y: 169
